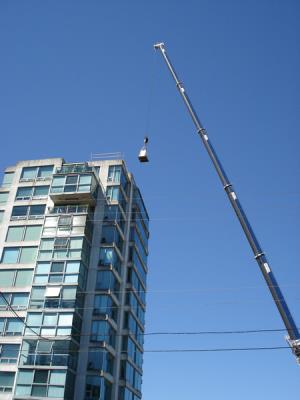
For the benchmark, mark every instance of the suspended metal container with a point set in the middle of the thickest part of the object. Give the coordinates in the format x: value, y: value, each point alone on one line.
x: 143, y: 156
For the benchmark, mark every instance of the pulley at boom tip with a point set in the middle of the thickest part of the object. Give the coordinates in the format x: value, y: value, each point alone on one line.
x: 158, y: 45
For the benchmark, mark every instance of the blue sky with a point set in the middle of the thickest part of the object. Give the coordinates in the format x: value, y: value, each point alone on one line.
x: 78, y: 77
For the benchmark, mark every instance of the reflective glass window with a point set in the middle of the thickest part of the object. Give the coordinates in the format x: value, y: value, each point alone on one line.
x: 3, y: 198
x: 14, y: 326
x: 9, y: 353
x: 29, y: 173
x: 19, y: 211
x: 41, y: 191
x: 24, y: 193
x: 7, y: 179
x: 7, y: 277
x: 28, y: 255
x: 38, y: 209
x: 6, y: 381
x: 33, y: 232
x: 45, y: 171
x: 24, y: 277
x: 15, y: 233
x: 10, y: 255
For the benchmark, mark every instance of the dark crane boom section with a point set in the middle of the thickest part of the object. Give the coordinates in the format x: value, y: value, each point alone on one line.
x: 293, y: 333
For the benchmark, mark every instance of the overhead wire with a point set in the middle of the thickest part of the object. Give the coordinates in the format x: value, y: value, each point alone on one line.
x: 150, y: 333
x: 209, y: 350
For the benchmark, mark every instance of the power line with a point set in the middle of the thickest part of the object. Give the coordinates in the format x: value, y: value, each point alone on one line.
x: 210, y: 350
x: 215, y: 350
x: 107, y: 308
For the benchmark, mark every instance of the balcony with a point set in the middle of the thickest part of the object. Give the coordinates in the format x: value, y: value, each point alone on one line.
x: 74, y: 169
x: 74, y: 188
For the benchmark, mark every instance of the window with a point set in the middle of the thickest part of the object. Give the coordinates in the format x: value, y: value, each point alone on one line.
x: 134, y: 280
x: 132, y: 351
x: 17, y: 301
x: 61, y: 243
x: 60, y: 248
x: 28, y: 192
x: 65, y: 221
x: 72, y: 183
x: 112, y: 193
x: 53, y: 297
x: 58, y: 272
x: 108, y: 257
x: 38, y: 209
x: 104, y: 304
x: 3, y: 198
x: 30, y: 212
x: 6, y: 381
x: 7, y: 277
x: 45, y: 171
x: 28, y: 255
x: 1, y: 216
x: 135, y: 237
x: 10, y: 255
x: 47, y: 352
x: 50, y: 324
x: 23, y: 277
x: 25, y: 233
x: 113, y: 214
x: 100, y: 360
x: 19, y: 211
x: 23, y: 255
x: 65, y: 225
x: 15, y: 277
x: 110, y: 235
x: 136, y: 260
x: 70, y: 209
x: 9, y: 353
x: 7, y: 179
x: 11, y: 326
x: 41, y: 383
x: 114, y: 173
x: 106, y: 280
x: 14, y: 327
x: 102, y: 331
x: 97, y: 387
x: 52, y: 291
x: 40, y: 191
x: 31, y: 173
x: 24, y: 193
x: 32, y: 232
x: 135, y: 307
x: 15, y: 233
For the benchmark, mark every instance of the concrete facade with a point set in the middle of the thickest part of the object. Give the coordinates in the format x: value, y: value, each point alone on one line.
x: 73, y: 266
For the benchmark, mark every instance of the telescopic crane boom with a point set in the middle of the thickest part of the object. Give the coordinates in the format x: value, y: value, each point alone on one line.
x: 293, y: 337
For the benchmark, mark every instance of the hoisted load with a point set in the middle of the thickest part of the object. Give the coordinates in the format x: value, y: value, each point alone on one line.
x: 143, y: 157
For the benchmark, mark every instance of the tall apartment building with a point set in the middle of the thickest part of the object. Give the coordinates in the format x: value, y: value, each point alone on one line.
x: 73, y: 266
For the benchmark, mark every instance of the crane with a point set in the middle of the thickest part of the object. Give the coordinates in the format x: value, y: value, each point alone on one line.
x: 293, y: 337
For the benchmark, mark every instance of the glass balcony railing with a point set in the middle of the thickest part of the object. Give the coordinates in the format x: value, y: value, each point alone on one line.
x: 74, y: 169
x: 80, y: 188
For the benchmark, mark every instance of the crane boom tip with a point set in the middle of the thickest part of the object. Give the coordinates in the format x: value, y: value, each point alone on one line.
x: 159, y: 45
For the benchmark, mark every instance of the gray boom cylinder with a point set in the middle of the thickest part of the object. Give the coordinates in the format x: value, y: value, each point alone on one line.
x: 258, y: 253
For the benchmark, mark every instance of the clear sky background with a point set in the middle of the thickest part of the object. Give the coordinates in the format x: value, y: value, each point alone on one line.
x: 80, y: 77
